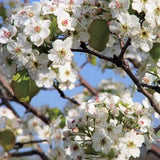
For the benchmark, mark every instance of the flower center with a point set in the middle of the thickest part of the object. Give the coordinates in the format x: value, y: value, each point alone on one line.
x: 17, y: 50
x: 142, y: 122
x: 130, y: 144
x: 146, y: 80
x: 37, y: 29
x: 52, y: 8
x: 30, y: 14
x: 35, y: 124
x: 7, y: 34
x: 144, y: 34
x: 64, y: 22
x: 71, y: 2
x: 125, y: 27
x: 22, y: 12
x: 157, y: 10
x: 67, y: 73
x: 118, y: 5
x: 62, y: 53
x: 58, y: 136
x: 35, y: 64
x: 75, y: 147
x: 109, y: 129
x: 103, y: 141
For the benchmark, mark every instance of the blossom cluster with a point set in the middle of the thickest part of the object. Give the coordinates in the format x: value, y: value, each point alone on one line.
x: 31, y: 128
x: 41, y: 37
x: 108, y: 127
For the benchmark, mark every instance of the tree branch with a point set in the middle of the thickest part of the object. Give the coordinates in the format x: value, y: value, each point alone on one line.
x: 65, y: 96
x: 28, y: 107
x: 8, y: 105
x: 30, y: 153
x: 21, y: 144
x: 26, y: 1
x: 157, y: 129
x: 156, y: 88
x: 86, y: 50
x: 88, y: 86
x: 120, y: 62
x: 123, y: 50
x: 140, y: 88
x: 155, y: 150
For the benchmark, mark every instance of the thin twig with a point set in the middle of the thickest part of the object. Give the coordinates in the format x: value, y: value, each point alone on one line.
x: 36, y: 112
x: 26, y: 1
x: 8, y: 105
x: 84, y: 64
x: 65, y: 96
x: 135, y: 63
x: 88, y: 86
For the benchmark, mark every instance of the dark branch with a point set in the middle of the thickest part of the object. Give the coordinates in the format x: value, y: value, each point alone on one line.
x: 86, y: 50
x: 88, y: 86
x: 120, y: 61
x: 157, y: 129
x: 28, y: 107
x: 8, y: 105
x: 21, y: 144
x: 65, y: 96
x: 155, y: 150
x: 26, y: 1
x: 135, y: 63
x: 156, y: 88
x: 30, y: 153
x: 123, y: 50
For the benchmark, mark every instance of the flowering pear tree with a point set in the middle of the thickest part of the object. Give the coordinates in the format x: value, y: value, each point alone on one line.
x: 38, y: 43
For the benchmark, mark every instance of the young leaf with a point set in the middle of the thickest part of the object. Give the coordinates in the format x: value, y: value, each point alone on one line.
x: 53, y: 27
x: 23, y: 86
x: 158, y: 133
x: 99, y: 34
x: 2, y: 12
x: 155, y: 51
x: 92, y: 59
x: 7, y: 139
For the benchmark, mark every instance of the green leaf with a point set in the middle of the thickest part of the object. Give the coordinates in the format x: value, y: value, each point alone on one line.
x: 158, y: 133
x: 54, y: 113
x: 23, y: 86
x: 92, y: 59
x: 155, y: 51
x: 53, y: 27
x: 2, y: 12
x: 99, y: 34
x: 7, y: 139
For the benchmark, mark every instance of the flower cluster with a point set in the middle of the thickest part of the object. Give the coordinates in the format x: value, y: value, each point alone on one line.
x: 40, y: 39
x: 109, y: 127
x: 32, y: 40
x: 31, y: 128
